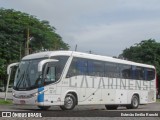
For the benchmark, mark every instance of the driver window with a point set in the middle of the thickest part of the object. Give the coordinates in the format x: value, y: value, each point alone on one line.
x: 50, y: 76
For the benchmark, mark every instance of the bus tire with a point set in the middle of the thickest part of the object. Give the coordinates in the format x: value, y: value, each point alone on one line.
x: 44, y: 107
x: 134, y: 102
x: 69, y: 102
x: 111, y: 107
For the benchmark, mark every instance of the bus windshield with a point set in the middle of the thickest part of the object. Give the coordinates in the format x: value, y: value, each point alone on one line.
x: 27, y: 76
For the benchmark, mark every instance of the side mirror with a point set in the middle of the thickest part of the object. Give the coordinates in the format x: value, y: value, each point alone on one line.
x: 11, y: 65
x: 41, y: 63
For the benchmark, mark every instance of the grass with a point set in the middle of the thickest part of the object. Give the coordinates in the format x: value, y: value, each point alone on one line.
x: 158, y: 100
x: 7, y: 102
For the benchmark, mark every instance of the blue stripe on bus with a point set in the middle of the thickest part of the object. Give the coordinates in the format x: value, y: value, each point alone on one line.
x: 40, y: 96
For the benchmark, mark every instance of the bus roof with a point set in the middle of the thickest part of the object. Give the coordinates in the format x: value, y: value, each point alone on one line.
x: 49, y: 54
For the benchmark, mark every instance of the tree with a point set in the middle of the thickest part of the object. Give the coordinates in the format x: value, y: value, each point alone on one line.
x: 14, y: 26
x: 147, y: 51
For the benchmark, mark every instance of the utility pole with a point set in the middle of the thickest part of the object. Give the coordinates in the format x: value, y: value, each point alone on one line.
x: 76, y: 47
x: 90, y: 52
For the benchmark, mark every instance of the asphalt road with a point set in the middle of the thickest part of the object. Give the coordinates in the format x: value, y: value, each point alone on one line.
x: 148, y: 107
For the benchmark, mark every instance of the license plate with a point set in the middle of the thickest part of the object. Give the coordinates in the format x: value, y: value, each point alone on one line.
x: 22, y: 102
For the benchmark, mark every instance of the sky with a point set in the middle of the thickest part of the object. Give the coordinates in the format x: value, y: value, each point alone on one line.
x: 105, y: 27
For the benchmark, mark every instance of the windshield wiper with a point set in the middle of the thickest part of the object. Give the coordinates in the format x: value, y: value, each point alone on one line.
x: 20, y: 80
x: 28, y: 79
x: 25, y: 78
x: 18, y: 72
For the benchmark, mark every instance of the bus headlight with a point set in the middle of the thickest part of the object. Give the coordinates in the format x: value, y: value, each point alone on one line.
x: 34, y: 94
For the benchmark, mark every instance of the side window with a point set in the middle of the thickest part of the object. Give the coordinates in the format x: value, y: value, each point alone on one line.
x: 150, y: 74
x: 91, y: 68
x: 72, y: 69
x: 111, y: 70
x: 60, y: 65
x: 95, y: 68
x: 140, y: 73
x: 50, y: 75
x: 78, y: 67
x: 125, y: 71
x: 81, y: 66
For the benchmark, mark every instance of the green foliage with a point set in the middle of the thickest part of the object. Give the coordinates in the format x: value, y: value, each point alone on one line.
x: 147, y: 51
x: 158, y: 100
x: 13, y: 36
x: 3, y: 102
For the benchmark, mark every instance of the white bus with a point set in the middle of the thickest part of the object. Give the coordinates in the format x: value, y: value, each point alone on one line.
x: 68, y: 78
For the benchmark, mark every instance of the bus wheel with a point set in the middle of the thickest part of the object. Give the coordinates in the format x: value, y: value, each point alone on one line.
x: 134, y: 103
x: 69, y: 102
x: 111, y: 107
x: 44, y: 107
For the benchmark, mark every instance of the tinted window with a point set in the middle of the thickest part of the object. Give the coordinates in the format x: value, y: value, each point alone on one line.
x: 125, y: 71
x: 95, y: 68
x: 51, y: 74
x: 111, y: 70
x: 150, y: 74
x: 139, y: 73
x: 80, y: 66
x: 72, y: 69
x: 59, y: 65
